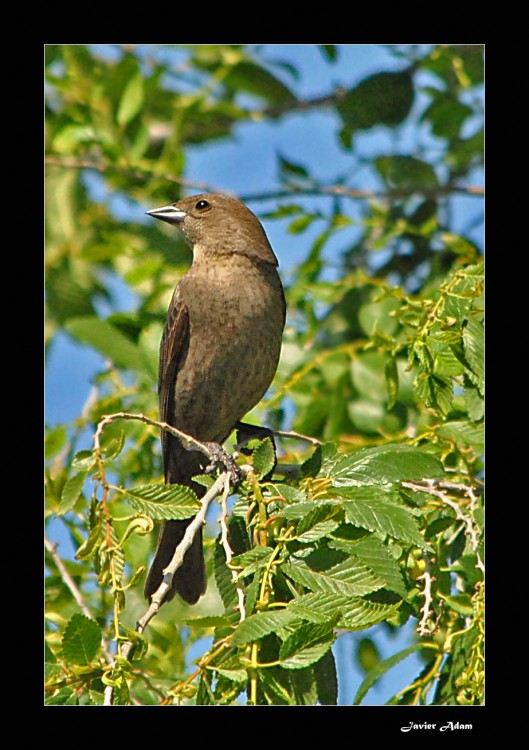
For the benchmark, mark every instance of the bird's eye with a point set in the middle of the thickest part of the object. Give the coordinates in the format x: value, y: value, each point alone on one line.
x: 201, y: 205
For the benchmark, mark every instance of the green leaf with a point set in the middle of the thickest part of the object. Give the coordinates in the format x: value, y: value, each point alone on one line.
x: 250, y: 77
x: 89, y: 546
x: 383, y: 666
x: 392, y: 382
x: 474, y: 346
x: 240, y: 676
x: 381, y: 99
x: 223, y: 578
x: 386, y: 464
x: 355, y: 613
x: 307, y: 645
x: 376, y: 555
x: 163, y: 501
x: 132, y: 99
x: 348, y: 578
x: 81, y: 641
x: 208, y: 621
x: 264, y: 457
x: 368, y: 375
x: 110, y: 342
x: 330, y: 51
x: 406, y: 172
x: 464, y: 432
x: 252, y: 560
x: 319, y: 522
x: 326, y: 680
x: 261, y: 624
x: 375, y: 512
x: 84, y: 460
x: 71, y: 492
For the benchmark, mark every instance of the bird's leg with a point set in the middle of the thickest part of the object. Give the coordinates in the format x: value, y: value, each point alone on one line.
x: 246, y: 432
x: 221, y: 457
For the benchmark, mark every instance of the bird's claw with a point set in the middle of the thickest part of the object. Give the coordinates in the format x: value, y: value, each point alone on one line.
x: 221, y: 457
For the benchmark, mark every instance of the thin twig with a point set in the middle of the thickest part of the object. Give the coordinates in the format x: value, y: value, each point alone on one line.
x: 429, y: 487
x: 426, y: 609
x: 74, y: 590
x: 187, y: 441
x: 216, y: 489
x: 228, y: 551
x: 144, y: 172
x: 297, y: 436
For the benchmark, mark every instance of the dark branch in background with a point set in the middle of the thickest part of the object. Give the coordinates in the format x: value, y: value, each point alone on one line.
x: 309, y: 190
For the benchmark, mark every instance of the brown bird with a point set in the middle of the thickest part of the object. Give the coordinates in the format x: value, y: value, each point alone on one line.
x: 218, y: 354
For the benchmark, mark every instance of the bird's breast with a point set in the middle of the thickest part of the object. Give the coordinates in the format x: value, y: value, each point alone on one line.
x: 236, y: 318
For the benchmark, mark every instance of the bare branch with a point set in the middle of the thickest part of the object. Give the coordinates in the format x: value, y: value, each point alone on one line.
x: 188, y: 441
x: 220, y: 486
x: 228, y: 551
x: 426, y: 609
x: 429, y: 487
x: 146, y: 172
x: 74, y: 590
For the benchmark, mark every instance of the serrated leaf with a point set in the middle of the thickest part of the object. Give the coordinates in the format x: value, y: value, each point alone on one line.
x: 300, y: 510
x: 223, y: 577
x: 84, y: 460
x: 163, y: 502
x: 131, y: 100
x: 464, y: 432
x: 261, y: 624
x: 319, y: 522
x: 264, y: 457
x: 88, y: 547
x: 239, y: 676
x: 71, y: 492
x: 355, y: 613
x: 290, y: 494
x: 252, y: 560
x: 377, y: 514
x: 376, y: 555
x: 322, y: 461
x: 81, y: 641
x: 474, y: 346
x: 348, y: 578
x: 306, y: 645
x: 386, y: 464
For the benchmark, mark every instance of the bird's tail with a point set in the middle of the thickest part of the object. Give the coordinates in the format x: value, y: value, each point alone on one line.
x: 189, y: 581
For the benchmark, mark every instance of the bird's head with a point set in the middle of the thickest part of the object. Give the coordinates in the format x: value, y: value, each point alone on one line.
x: 216, y: 223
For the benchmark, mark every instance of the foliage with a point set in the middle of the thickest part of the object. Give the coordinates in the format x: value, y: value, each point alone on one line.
x: 377, y: 520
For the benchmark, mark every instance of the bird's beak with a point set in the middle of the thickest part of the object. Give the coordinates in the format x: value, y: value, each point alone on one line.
x: 171, y: 214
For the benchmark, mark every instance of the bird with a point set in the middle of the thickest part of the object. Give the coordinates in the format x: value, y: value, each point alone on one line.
x: 219, y: 353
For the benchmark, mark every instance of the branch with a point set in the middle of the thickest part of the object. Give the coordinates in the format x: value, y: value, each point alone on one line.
x: 220, y: 486
x: 426, y: 609
x: 139, y: 172
x: 228, y: 552
x: 429, y: 488
x: 70, y: 583
x: 366, y: 193
x: 188, y: 441
x: 146, y: 172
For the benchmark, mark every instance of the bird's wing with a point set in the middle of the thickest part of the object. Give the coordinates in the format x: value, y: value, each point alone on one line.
x: 175, y: 341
